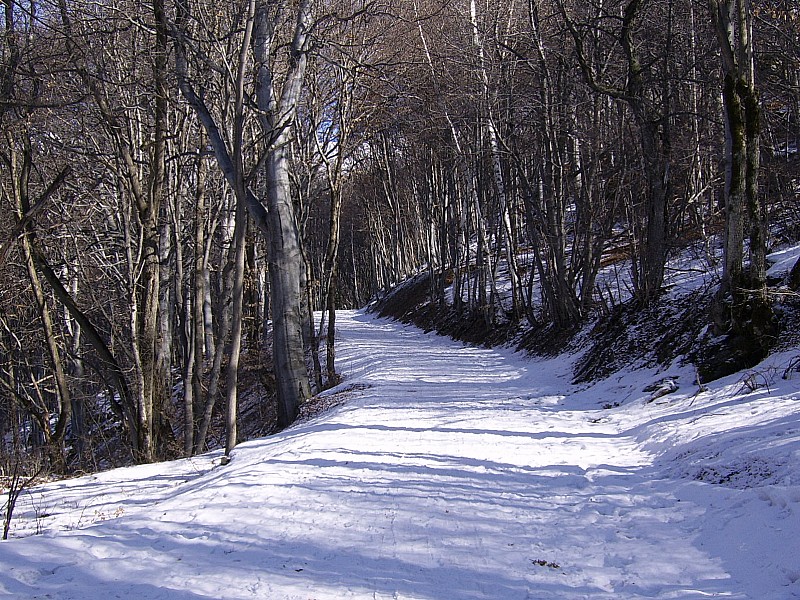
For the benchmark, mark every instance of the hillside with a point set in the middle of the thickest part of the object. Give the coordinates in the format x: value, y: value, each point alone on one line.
x: 442, y: 471
x: 619, y: 333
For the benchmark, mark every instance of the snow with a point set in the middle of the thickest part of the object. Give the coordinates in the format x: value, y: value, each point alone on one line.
x: 782, y: 261
x: 450, y: 472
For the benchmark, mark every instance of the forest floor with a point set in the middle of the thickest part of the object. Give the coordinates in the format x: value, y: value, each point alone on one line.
x: 441, y: 471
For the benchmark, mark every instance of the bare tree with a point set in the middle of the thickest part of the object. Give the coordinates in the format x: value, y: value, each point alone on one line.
x: 652, y: 118
x: 742, y: 301
x: 276, y: 107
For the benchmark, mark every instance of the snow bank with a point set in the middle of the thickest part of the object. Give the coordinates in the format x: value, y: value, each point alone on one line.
x: 449, y: 472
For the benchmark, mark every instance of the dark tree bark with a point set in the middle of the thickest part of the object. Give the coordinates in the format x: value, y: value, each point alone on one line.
x: 654, y: 142
x: 741, y: 305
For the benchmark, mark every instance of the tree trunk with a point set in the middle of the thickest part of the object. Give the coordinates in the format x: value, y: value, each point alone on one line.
x: 113, y: 373
x: 285, y: 263
x: 232, y: 379
x: 285, y: 257
x: 741, y: 305
x: 21, y: 175
x: 506, y: 239
x: 654, y: 142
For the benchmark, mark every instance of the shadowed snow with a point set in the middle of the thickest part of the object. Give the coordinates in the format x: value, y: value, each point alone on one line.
x: 450, y: 472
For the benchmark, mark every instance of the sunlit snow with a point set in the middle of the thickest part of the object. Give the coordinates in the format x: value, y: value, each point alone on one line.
x: 450, y: 472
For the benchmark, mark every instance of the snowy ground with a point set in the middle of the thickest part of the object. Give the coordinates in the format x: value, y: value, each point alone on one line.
x: 447, y: 473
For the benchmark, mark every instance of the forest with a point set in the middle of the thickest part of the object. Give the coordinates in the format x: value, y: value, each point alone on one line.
x: 185, y: 183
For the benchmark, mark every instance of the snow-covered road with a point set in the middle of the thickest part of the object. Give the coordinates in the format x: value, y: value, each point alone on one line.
x: 448, y: 472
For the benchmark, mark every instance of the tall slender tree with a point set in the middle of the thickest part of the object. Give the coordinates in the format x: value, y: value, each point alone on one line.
x: 742, y: 303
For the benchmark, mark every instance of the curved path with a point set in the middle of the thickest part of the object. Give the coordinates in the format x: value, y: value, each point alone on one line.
x: 446, y: 472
